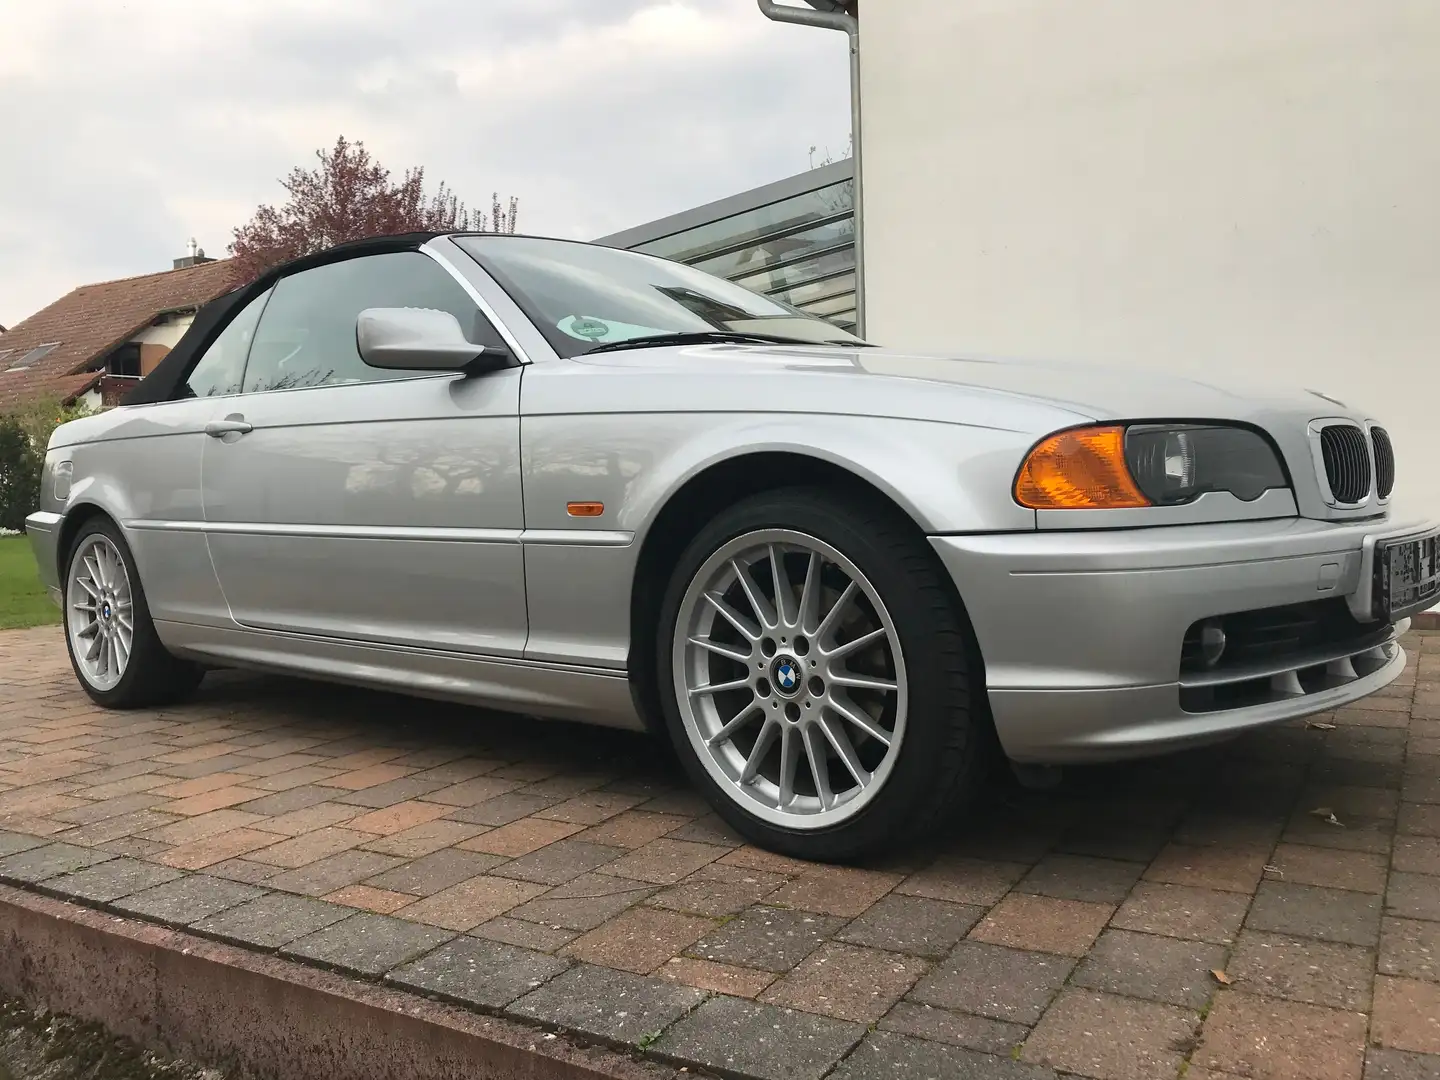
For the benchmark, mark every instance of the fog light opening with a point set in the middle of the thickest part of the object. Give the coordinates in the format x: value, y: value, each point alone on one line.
x: 1212, y: 642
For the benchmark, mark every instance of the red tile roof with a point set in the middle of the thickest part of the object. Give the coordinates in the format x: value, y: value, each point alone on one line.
x: 92, y: 320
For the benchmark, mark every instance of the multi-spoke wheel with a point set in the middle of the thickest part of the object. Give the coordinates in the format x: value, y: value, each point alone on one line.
x: 113, y: 646
x: 817, y: 675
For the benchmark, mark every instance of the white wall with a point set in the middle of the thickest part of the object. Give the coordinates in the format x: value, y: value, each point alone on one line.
x: 167, y: 333
x: 1234, y: 187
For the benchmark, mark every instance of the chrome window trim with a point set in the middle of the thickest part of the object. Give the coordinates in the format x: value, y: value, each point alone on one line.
x: 497, y: 304
x: 484, y: 305
x: 546, y: 537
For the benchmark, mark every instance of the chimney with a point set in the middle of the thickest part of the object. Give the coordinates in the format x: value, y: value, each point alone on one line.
x: 195, y: 258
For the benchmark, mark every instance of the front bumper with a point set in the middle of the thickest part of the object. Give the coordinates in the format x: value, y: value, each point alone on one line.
x: 1082, y: 632
x: 43, y: 530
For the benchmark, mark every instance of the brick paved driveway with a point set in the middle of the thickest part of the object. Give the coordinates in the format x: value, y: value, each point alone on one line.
x: 566, y: 876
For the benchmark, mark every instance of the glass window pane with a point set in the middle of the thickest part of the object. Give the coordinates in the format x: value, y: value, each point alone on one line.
x: 307, y: 336
x: 785, y: 277
x: 792, y: 213
x: 834, y: 306
x: 780, y: 248
x: 801, y: 295
x: 221, y: 368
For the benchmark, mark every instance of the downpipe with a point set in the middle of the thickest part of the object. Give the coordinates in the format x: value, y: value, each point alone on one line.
x: 850, y: 26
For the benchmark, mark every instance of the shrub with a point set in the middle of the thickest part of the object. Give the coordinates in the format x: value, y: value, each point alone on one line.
x: 24, y: 435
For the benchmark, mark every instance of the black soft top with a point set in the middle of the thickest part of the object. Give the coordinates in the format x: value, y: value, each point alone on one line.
x: 163, y: 382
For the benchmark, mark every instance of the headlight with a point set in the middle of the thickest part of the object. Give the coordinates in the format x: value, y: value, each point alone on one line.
x: 1114, y: 467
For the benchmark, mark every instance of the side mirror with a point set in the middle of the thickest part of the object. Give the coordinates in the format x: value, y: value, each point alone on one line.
x: 421, y: 339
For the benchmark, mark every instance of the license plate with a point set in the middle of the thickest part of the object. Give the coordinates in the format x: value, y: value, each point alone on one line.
x: 1407, y: 576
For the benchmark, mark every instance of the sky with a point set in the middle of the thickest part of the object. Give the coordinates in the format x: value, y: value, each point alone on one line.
x: 132, y: 125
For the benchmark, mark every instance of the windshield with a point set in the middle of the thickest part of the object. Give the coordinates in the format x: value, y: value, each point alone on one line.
x: 582, y: 296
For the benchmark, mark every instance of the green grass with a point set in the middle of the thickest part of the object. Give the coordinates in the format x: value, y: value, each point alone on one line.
x: 22, y: 598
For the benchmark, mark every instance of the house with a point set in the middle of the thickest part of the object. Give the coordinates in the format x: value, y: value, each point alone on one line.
x: 92, y: 344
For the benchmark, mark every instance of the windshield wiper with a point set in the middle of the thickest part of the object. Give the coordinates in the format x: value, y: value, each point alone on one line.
x: 704, y: 337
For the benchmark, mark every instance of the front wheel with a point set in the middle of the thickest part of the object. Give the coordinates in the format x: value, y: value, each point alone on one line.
x: 116, y: 654
x: 816, y: 676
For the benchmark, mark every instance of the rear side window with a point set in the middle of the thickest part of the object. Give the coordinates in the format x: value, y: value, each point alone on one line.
x: 221, y: 368
x: 307, y: 336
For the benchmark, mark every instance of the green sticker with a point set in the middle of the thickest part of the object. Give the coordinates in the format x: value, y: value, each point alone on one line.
x: 588, y: 328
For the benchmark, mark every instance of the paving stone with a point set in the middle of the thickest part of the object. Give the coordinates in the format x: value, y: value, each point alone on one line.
x: 243, y: 870
x: 502, y: 810
x: 1407, y: 1015
x: 995, y: 982
x: 1411, y: 948
x: 1304, y: 865
x: 526, y: 935
x: 1400, y: 1065
x: 30, y: 865
x: 560, y: 862
x: 470, y: 903
x: 475, y: 972
x: 367, y: 944
x: 583, y: 903
x: 835, y: 890
x: 1419, y: 819
x: 887, y: 1056
x: 963, y: 880
x: 591, y: 808
x: 435, y: 872
x: 848, y: 982
x: 639, y: 940
x: 1081, y: 877
x: 913, y: 924
x: 272, y: 921
x: 402, y: 790
x: 1417, y: 855
x: 665, y: 861
x: 1351, y: 918
x: 187, y: 899
x: 478, y: 790
x: 1164, y: 969
x: 1302, y: 969
x: 380, y: 901
x: 958, y: 1029
x: 721, y: 978
x: 771, y: 939
x: 112, y: 880
x: 707, y: 829
x: 521, y: 837
x: 762, y: 1041
x: 421, y: 840
x: 1414, y: 896
x: 615, y: 1006
x: 633, y: 829
x: 1254, y: 1036
x: 1045, y: 923
x: 1230, y: 869
x: 717, y: 891
x: 1111, y: 1038
x: 326, y: 875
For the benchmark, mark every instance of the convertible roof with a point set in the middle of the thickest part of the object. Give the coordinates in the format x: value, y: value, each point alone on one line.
x: 161, y: 384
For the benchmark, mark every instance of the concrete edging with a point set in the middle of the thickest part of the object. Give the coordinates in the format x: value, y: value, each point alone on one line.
x: 223, y: 1005
x: 1426, y: 620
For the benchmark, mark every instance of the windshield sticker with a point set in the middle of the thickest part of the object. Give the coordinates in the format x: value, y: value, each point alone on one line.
x: 590, y: 328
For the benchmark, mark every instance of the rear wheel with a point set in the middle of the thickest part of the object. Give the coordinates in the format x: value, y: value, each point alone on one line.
x: 113, y: 647
x: 816, y: 676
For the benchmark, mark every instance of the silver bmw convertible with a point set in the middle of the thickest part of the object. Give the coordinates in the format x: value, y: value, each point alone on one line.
x: 584, y: 483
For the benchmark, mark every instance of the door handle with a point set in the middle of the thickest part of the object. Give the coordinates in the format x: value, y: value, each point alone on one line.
x: 234, y: 424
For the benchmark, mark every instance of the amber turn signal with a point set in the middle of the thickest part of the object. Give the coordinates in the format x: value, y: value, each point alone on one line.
x: 1080, y: 469
x: 585, y: 509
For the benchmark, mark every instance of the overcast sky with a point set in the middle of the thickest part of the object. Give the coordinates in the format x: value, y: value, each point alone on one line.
x: 132, y: 126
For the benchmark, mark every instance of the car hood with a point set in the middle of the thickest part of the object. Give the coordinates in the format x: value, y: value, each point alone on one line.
x: 1108, y: 393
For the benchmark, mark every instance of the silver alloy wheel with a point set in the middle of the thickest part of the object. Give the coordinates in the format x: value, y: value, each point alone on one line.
x: 789, y: 678
x: 100, y: 612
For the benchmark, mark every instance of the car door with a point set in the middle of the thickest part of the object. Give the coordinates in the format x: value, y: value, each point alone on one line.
x: 354, y: 503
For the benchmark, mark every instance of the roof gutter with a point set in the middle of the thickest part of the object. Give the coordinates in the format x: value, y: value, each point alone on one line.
x: 838, y: 19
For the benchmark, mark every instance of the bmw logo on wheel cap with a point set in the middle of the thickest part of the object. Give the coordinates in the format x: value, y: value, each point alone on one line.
x: 786, y: 674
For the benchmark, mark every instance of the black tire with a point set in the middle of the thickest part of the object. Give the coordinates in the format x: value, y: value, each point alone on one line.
x: 948, y: 741
x: 152, y: 676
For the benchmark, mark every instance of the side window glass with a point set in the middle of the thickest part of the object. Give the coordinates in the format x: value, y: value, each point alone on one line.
x: 221, y: 367
x: 307, y: 337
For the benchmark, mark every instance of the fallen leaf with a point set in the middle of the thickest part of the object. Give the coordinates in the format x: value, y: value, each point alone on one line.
x: 1319, y: 725
x: 1275, y: 870
x: 1324, y: 813
x: 1220, y: 977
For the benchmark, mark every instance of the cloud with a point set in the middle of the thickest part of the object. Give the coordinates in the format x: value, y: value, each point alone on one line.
x: 133, y: 127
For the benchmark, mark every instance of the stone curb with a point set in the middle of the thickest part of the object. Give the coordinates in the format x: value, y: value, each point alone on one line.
x: 1426, y: 620
x: 272, y: 1017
